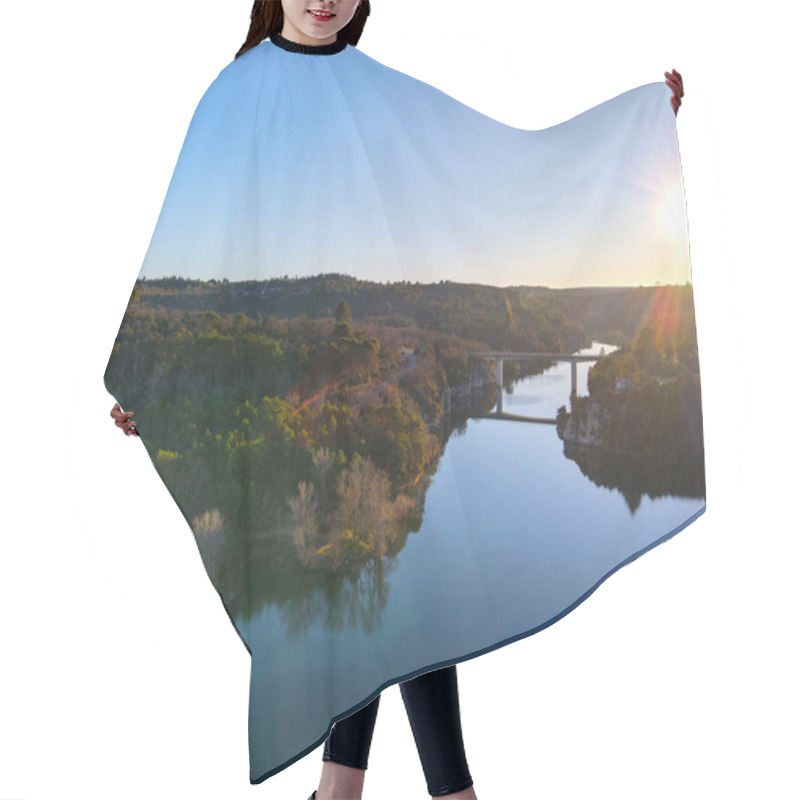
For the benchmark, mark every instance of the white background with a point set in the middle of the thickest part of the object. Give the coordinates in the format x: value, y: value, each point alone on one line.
x: 120, y: 674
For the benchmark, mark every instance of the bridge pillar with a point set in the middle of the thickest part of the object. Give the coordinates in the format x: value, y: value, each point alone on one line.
x: 498, y: 364
x: 574, y: 376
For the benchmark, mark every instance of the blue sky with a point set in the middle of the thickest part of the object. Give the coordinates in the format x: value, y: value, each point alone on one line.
x: 302, y: 164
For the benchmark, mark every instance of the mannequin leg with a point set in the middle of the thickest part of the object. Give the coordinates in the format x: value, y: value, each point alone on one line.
x: 433, y: 709
x: 350, y: 738
x: 346, y: 754
x: 431, y: 701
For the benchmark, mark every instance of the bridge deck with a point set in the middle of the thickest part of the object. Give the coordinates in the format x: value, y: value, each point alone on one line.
x: 531, y: 356
x: 517, y: 418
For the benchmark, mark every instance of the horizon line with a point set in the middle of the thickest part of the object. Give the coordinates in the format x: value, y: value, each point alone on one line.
x: 287, y: 278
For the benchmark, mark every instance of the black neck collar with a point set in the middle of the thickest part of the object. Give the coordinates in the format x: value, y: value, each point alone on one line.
x: 310, y: 49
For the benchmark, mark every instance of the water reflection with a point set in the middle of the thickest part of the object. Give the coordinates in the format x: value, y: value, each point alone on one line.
x: 514, y: 529
x: 505, y: 472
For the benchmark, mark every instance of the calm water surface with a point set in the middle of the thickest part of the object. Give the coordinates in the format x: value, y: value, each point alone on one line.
x: 512, y: 535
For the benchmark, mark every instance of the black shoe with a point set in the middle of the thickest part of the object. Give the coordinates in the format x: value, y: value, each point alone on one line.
x: 313, y: 795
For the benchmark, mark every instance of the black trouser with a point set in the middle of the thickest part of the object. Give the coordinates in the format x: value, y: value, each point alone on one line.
x: 432, y: 705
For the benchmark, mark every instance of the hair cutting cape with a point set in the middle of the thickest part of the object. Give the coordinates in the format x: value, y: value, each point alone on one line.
x: 419, y: 381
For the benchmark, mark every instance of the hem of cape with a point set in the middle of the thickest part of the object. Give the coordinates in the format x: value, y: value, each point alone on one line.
x: 474, y: 654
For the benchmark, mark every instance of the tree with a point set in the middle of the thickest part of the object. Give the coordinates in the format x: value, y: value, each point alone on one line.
x: 602, y: 378
x: 304, y: 516
x: 364, y: 504
x: 322, y: 459
x: 343, y: 312
x: 628, y: 368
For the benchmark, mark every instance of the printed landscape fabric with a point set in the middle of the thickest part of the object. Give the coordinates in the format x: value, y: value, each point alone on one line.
x: 419, y: 381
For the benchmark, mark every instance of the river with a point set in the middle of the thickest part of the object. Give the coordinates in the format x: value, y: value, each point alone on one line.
x: 514, y: 535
